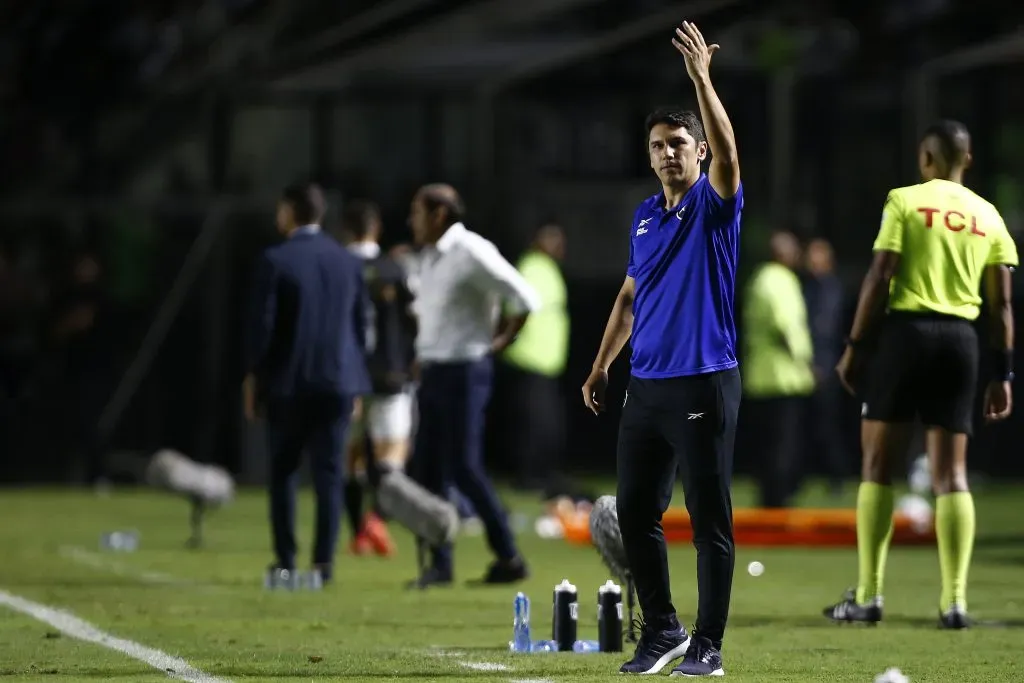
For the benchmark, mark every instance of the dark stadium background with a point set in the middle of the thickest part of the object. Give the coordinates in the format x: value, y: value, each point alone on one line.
x: 137, y: 133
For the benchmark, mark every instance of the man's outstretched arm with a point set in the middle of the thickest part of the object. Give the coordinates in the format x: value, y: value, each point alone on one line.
x: 724, y: 171
x: 619, y: 327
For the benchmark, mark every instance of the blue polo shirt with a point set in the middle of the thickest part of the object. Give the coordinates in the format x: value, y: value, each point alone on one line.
x: 684, y: 262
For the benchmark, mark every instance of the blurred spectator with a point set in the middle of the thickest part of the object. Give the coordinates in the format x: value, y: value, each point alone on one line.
x: 21, y: 301
x: 533, y: 366
x: 777, y: 375
x: 823, y: 292
x: 386, y: 420
x: 76, y: 338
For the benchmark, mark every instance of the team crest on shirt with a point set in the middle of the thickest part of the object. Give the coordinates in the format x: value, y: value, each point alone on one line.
x: 681, y: 211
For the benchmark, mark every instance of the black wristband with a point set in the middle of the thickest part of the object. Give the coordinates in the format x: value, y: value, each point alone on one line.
x: 1002, y: 365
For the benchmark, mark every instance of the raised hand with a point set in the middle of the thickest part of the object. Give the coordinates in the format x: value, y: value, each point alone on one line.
x: 694, y: 49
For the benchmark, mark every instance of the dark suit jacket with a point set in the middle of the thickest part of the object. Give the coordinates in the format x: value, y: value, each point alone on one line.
x: 824, y: 297
x: 307, y: 321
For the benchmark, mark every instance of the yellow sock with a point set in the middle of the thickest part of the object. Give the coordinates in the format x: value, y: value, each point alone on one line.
x: 874, y: 531
x: 954, y: 527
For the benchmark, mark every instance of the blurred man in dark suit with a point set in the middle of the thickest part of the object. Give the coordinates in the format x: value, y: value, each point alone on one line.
x: 823, y: 292
x: 305, y: 355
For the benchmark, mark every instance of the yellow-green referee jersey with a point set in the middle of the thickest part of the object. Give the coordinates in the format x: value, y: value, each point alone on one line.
x: 945, y: 235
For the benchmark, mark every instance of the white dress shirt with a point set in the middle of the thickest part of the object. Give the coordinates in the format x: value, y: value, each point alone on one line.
x: 460, y: 284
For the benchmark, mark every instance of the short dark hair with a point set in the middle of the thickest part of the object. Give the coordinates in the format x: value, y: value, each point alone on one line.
x: 953, y: 139
x: 358, y: 215
x: 307, y: 202
x: 677, y: 118
x: 433, y: 200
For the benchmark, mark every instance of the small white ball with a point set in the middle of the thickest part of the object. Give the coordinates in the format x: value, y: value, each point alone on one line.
x: 549, y: 527
x: 891, y: 675
x: 755, y: 568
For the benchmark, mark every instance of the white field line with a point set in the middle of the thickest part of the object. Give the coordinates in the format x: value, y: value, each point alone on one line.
x: 484, y: 666
x: 72, y: 626
x: 102, y: 563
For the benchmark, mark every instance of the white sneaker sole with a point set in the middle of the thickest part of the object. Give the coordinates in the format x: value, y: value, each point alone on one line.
x: 666, y: 659
x: 716, y: 672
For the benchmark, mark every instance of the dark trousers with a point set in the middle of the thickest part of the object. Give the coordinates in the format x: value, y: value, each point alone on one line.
x: 773, y: 424
x: 317, y: 425
x: 534, y: 419
x: 826, y: 441
x: 685, y: 425
x: 452, y: 402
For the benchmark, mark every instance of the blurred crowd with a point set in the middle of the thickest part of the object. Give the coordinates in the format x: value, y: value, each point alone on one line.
x: 48, y: 336
x: 75, y: 304
x: 76, y: 294
x: 63, y: 64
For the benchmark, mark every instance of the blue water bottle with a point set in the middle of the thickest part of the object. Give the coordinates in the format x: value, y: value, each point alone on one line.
x: 584, y: 646
x: 520, y: 624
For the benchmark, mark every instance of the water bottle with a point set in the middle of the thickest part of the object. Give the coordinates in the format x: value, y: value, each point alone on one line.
x: 585, y: 646
x: 544, y: 646
x: 281, y: 579
x: 609, y: 617
x: 120, y: 541
x: 520, y: 624
x: 565, y: 615
x: 312, y: 581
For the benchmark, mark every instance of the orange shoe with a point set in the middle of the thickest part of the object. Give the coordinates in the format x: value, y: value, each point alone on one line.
x: 376, y: 532
x: 361, y: 544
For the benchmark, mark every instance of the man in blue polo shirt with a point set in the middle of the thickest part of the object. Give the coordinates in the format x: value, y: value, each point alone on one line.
x: 683, y: 396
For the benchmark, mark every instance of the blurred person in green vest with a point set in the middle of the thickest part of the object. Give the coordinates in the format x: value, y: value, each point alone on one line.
x: 534, y: 364
x: 778, y: 374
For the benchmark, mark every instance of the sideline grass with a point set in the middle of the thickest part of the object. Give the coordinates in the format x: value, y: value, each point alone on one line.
x: 366, y: 628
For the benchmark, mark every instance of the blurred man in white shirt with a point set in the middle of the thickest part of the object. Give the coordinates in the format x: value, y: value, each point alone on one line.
x: 462, y: 282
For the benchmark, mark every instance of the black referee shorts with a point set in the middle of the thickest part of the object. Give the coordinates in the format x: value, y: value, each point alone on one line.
x: 683, y: 426
x: 926, y: 367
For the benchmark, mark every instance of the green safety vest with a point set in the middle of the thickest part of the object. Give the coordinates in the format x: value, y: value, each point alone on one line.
x: 543, y: 344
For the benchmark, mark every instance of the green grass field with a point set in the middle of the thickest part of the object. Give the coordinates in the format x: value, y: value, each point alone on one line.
x: 209, y: 608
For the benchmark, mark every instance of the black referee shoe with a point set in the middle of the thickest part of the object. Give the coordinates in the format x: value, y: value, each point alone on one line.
x: 955, y: 618
x: 848, y: 611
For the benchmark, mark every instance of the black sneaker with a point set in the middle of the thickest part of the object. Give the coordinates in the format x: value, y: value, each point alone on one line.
x: 505, y: 571
x: 848, y: 611
x: 954, y: 618
x: 655, y: 650
x: 429, y: 579
x: 702, y: 659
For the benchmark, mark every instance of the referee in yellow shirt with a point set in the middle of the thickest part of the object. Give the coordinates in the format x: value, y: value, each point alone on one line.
x: 919, y: 358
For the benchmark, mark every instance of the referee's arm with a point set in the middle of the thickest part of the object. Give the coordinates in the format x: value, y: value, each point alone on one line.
x: 874, y: 291
x: 874, y: 295
x: 998, y: 290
